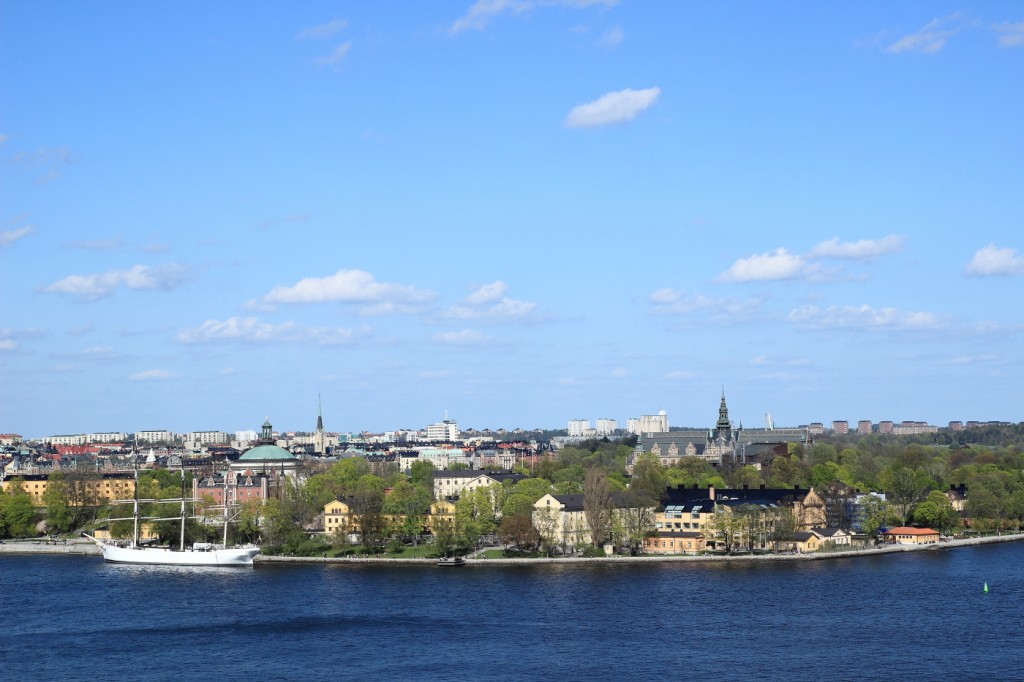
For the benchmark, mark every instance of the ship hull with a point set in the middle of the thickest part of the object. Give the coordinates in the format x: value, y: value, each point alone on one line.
x: 241, y: 556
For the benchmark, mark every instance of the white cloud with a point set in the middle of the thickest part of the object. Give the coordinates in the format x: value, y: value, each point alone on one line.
x: 344, y: 286
x: 481, y: 13
x: 619, y: 373
x: 613, y: 37
x: 487, y: 293
x: 252, y: 330
x: 323, y: 31
x: 679, y: 375
x: 8, y: 344
x: 489, y: 302
x: 152, y: 375
x: 775, y: 265
x: 1010, y: 35
x: 466, y: 337
x: 336, y: 56
x: 112, y: 244
x: 8, y: 237
x: 671, y: 302
x: 137, y: 278
x: 930, y: 39
x: 613, y: 107
x: 865, y: 249
x: 991, y: 261
x: 865, y: 317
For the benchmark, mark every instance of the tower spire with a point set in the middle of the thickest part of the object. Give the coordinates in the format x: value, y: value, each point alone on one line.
x: 319, y: 414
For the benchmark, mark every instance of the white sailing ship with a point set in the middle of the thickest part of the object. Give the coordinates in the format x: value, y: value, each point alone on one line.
x: 200, y: 554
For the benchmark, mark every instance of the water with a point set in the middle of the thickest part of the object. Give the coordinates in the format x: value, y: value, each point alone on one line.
x: 919, y: 615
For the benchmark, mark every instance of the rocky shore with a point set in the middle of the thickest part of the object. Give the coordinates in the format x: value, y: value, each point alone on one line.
x: 85, y: 547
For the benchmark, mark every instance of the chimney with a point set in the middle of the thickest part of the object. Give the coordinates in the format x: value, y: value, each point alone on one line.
x: 711, y: 493
x: 745, y: 486
x: 762, y: 486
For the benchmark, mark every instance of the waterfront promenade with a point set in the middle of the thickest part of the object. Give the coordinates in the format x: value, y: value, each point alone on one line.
x: 80, y: 546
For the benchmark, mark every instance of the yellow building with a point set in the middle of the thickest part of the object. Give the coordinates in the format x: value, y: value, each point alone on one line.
x: 98, y: 489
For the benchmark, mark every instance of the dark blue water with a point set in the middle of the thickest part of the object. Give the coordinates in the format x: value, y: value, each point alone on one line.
x: 911, y: 616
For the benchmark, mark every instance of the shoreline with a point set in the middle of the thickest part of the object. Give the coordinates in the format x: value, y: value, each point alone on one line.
x: 78, y: 547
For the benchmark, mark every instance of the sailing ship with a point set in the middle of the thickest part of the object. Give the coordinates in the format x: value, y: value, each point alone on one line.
x: 199, y: 554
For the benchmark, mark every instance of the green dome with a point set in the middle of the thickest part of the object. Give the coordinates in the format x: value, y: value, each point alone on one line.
x: 263, y: 453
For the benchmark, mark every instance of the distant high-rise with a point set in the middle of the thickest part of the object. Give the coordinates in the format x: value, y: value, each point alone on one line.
x: 864, y: 427
x: 578, y: 427
x: 652, y: 423
x: 840, y: 427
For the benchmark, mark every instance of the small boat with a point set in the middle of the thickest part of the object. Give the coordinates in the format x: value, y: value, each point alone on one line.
x: 451, y: 561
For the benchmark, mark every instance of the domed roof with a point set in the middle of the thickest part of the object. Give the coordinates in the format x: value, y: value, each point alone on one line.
x: 263, y: 453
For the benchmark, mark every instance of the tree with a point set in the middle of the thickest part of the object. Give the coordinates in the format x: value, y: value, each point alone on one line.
x: 409, y: 504
x: 635, y: 515
x: 750, y: 520
x: 726, y: 526
x: 368, y: 507
x: 518, y: 531
x: 649, y: 477
x: 780, y: 525
x: 421, y: 473
x: 937, y: 512
x: 523, y: 494
x: 18, y: 512
x: 597, y: 506
x: 60, y: 517
x: 906, y: 488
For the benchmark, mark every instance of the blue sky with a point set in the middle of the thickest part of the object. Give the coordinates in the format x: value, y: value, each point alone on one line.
x: 518, y: 211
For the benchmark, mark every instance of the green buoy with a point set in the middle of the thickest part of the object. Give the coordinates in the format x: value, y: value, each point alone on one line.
x: 985, y: 588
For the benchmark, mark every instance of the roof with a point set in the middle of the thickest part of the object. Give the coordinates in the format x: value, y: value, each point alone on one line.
x: 570, y: 502
x: 264, y: 453
x: 803, y: 536
x: 907, y: 530
x: 500, y: 476
x: 829, y: 532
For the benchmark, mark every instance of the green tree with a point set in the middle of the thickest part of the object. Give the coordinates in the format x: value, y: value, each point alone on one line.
x: 649, y: 477
x: 410, y: 505
x: 421, y: 473
x: 18, y: 512
x: 60, y: 516
x: 937, y: 512
x: 906, y: 488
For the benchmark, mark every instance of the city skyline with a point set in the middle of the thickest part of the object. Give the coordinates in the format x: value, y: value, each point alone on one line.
x: 519, y: 212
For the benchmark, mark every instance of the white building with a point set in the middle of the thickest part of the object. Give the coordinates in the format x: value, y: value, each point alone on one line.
x: 633, y: 425
x: 71, y: 439
x: 154, y: 436
x: 208, y: 437
x: 111, y: 437
x: 606, y: 427
x: 578, y: 427
x: 652, y: 423
x: 246, y: 436
x: 445, y: 431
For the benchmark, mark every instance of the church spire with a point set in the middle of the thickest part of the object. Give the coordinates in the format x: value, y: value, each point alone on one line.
x: 319, y: 414
x: 723, y: 415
